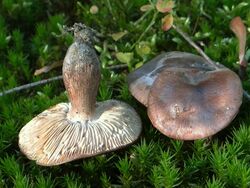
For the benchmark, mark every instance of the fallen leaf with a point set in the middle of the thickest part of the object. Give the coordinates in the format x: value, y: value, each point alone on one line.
x: 164, y: 6
x: 47, y: 68
x: 167, y: 22
x: 239, y: 29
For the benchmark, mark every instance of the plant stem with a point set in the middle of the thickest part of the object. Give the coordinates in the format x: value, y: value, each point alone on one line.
x: 45, y: 81
x: 146, y: 30
x: 142, y: 17
x: 200, y: 51
x: 30, y: 85
x: 111, y: 10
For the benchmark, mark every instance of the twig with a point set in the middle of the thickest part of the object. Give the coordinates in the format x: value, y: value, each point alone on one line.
x: 195, y: 25
x: 116, y: 67
x: 30, y: 85
x: 199, y: 50
x: 45, y: 81
x: 189, y: 40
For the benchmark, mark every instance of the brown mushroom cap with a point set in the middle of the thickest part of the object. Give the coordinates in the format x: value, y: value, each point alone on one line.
x: 57, y: 139
x: 187, y: 97
x: 189, y: 104
x: 141, y: 80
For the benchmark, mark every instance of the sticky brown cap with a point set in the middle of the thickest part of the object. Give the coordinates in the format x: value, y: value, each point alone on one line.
x: 141, y: 80
x: 52, y: 138
x: 189, y: 104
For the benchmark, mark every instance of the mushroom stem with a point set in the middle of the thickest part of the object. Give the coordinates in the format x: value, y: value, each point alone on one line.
x: 83, y: 127
x: 81, y: 74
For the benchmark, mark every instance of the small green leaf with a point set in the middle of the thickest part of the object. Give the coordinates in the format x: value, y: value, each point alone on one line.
x: 119, y: 35
x: 143, y: 49
x: 139, y: 64
x: 145, y: 8
x: 177, y: 40
x: 40, y: 93
x: 247, y: 56
x: 98, y: 48
x: 125, y: 57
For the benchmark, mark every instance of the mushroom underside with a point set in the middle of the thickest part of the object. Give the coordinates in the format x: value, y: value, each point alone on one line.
x: 192, y: 104
x: 141, y: 80
x: 52, y: 138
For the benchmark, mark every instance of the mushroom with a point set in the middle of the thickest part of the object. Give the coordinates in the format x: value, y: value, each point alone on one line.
x: 141, y: 80
x: 81, y: 128
x: 187, y: 97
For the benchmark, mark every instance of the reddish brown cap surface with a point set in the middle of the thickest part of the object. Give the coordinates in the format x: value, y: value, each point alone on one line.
x: 189, y: 104
x: 141, y: 80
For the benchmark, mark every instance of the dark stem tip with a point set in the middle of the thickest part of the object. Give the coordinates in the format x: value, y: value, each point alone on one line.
x: 83, y: 33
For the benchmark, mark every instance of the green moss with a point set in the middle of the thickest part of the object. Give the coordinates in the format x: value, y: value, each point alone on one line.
x: 31, y: 37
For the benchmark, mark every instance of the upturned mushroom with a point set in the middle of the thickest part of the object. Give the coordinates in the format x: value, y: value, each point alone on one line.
x: 82, y: 127
x: 187, y: 97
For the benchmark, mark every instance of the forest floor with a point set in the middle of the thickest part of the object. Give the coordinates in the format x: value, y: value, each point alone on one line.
x: 31, y: 37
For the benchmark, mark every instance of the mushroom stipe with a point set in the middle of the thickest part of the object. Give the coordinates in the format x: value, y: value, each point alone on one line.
x: 81, y: 128
x: 187, y: 98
